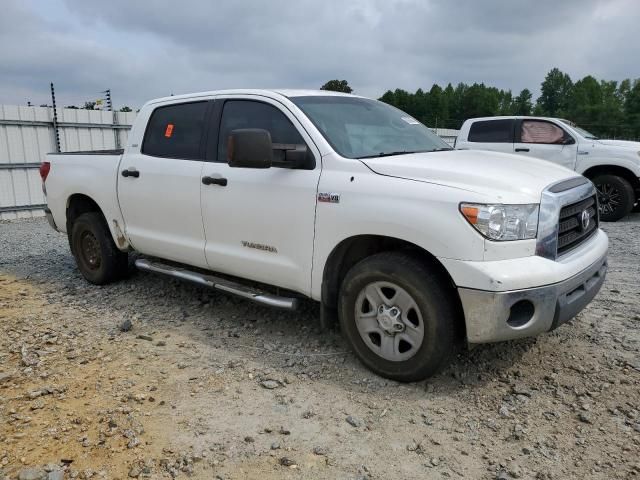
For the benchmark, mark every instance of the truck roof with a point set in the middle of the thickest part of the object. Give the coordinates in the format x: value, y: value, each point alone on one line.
x: 249, y: 91
x: 513, y: 117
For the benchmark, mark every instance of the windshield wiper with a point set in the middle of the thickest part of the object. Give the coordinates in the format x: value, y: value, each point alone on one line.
x: 402, y: 152
x: 386, y: 154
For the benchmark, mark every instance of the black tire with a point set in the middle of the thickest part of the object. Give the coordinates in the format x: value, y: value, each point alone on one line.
x: 431, y: 295
x: 616, y: 197
x: 96, y: 254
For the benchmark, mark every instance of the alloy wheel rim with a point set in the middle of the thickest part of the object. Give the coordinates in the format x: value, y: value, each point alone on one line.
x: 608, y: 198
x: 389, y: 321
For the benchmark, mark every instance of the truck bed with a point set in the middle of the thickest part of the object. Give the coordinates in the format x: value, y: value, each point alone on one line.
x: 93, y: 174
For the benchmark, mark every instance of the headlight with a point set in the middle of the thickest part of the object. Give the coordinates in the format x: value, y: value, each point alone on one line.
x: 503, y: 222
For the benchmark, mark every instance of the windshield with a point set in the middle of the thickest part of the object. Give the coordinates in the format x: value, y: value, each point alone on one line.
x: 581, y: 131
x: 362, y: 128
x: 584, y: 133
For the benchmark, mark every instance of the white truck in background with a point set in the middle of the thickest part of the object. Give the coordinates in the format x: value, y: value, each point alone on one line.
x: 612, y: 165
x: 411, y: 245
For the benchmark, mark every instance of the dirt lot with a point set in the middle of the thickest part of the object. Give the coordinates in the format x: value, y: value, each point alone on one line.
x: 208, y: 386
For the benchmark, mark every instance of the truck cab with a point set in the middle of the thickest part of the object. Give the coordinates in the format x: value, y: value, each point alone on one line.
x: 613, y: 166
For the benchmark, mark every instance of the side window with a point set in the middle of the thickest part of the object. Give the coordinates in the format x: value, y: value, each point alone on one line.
x: 539, y: 131
x: 491, y: 131
x: 175, y: 131
x: 250, y: 114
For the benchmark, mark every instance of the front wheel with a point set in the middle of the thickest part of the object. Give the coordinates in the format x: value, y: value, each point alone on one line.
x: 615, y: 196
x: 398, y: 316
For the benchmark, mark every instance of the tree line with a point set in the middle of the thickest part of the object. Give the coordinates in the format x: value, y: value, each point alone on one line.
x: 606, y: 108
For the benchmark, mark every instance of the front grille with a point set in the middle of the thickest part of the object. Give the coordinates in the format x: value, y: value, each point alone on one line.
x: 571, y: 232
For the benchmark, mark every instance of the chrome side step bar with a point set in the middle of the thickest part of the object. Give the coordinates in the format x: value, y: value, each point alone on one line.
x: 225, y: 285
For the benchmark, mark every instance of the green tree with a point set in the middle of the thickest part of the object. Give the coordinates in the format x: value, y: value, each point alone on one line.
x: 623, y: 91
x: 611, y: 111
x: 522, y: 104
x: 437, y: 113
x: 337, y: 86
x: 632, y: 110
x: 89, y: 105
x: 479, y: 101
x: 505, y: 102
x: 602, y: 106
x: 126, y: 109
x: 586, y: 102
x: 450, y: 107
x: 555, y: 93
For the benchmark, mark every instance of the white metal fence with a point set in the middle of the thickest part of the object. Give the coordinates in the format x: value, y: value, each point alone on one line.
x: 27, y: 135
x: 449, y: 135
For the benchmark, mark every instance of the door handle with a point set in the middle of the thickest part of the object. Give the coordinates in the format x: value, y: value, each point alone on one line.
x: 131, y: 172
x: 522, y: 149
x: 214, y: 181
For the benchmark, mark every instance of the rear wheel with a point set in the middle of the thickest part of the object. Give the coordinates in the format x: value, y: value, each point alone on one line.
x: 96, y: 254
x: 398, y: 316
x: 615, y: 196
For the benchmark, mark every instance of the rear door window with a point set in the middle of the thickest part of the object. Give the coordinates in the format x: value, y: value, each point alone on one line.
x: 492, y: 131
x: 175, y: 131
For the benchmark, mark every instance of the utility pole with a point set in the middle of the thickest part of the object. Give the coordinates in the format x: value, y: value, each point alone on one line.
x: 107, y: 96
x: 55, y: 118
x: 116, y: 135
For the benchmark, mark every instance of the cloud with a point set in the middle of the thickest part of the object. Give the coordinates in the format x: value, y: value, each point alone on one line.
x: 145, y: 49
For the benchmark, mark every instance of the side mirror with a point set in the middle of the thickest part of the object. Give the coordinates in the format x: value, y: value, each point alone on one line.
x: 300, y: 158
x: 294, y: 156
x: 568, y: 140
x: 249, y: 148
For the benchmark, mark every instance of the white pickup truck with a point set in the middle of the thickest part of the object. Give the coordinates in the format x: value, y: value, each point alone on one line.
x: 612, y: 165
x: 412, y: 246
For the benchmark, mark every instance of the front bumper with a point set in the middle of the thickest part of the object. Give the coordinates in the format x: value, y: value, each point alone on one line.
x: 506, y: 315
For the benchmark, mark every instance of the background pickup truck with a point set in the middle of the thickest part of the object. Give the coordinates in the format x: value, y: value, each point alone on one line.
x: 612, y: 165
x: 411, y: 245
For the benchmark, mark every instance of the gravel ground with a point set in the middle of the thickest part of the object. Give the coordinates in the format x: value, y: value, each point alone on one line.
x: 152, y: 378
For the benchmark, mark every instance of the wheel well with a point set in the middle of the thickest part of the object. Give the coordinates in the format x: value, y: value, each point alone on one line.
x: 352, y: 250
x: 628, y: 175
x: 79, y: 204
x: 76, y: 206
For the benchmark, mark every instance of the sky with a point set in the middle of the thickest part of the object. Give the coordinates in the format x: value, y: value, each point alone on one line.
x: 143, y: 49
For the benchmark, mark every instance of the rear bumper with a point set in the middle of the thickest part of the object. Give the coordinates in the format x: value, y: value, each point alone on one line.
x: 50, y: 219
x: 497, y: 316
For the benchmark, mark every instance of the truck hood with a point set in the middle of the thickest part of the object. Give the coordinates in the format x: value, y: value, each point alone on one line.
x: 501, y: 177
x: 622, y: 143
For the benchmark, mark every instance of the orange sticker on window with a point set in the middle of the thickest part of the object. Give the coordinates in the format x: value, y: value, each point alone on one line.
x: 169, y: 130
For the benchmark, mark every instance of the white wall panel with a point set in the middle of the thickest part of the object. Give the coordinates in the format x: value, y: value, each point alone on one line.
x: 23, y: 141
x: 7, y: 198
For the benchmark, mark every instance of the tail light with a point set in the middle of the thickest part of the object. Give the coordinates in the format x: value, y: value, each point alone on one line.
x: 45, y: 167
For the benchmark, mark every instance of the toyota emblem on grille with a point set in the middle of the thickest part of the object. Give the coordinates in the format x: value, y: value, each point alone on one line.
x: 586, y: 219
